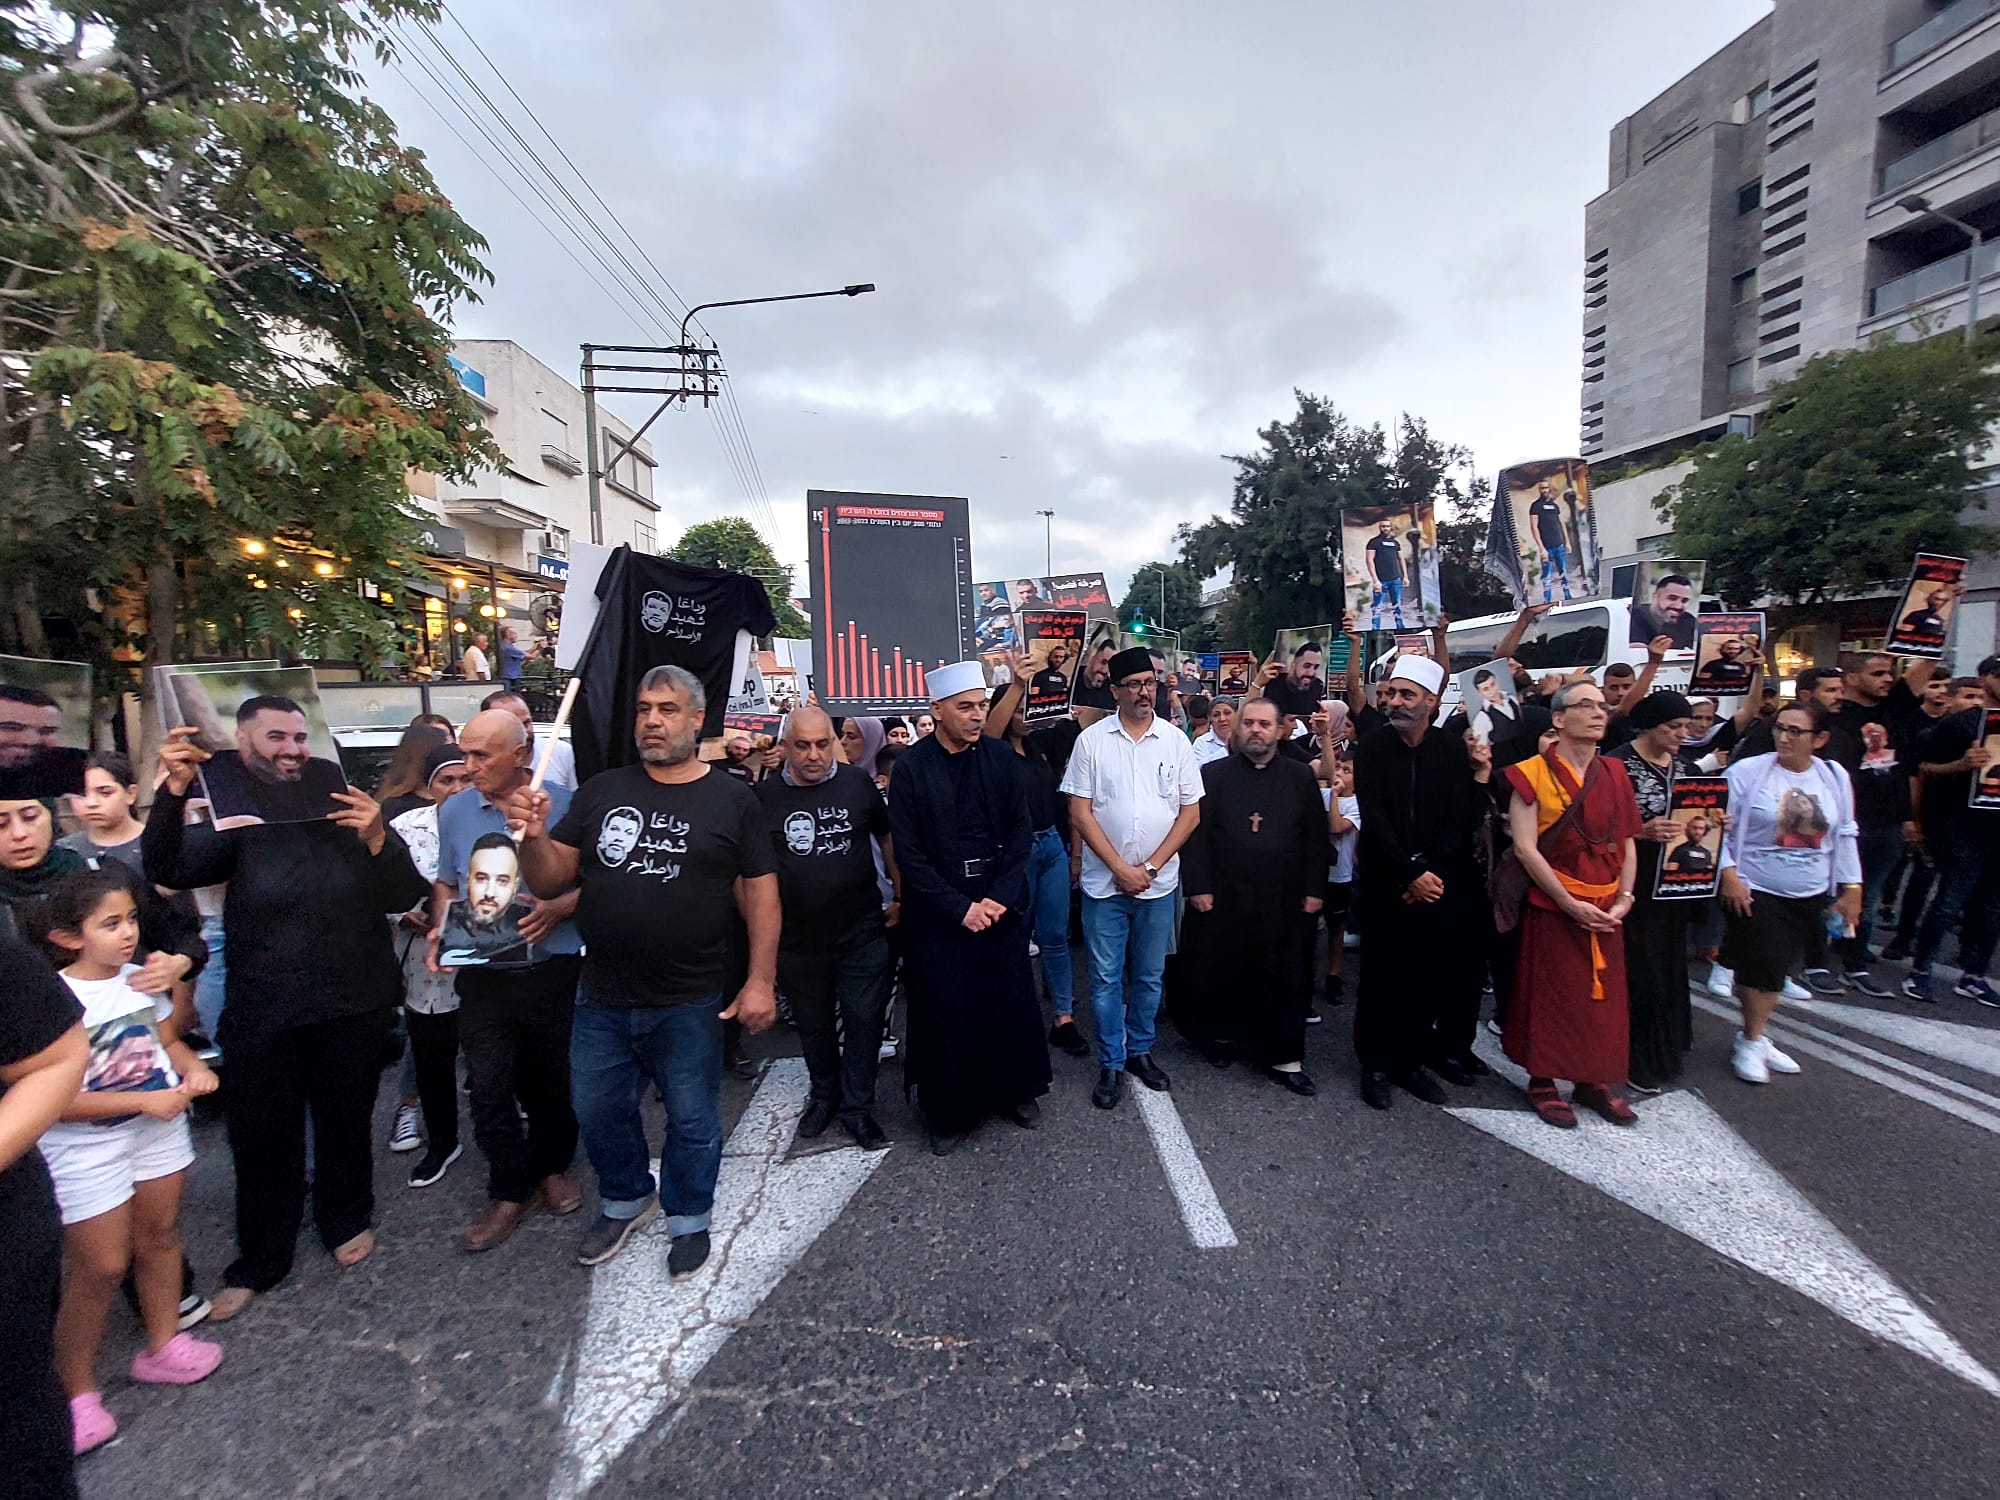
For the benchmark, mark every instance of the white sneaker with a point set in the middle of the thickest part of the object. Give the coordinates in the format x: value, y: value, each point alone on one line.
x: 1721, y: 982
x: 1795, y: 993
x: 1776, y: 1061
x: 1746, y: 1058
x: 408, y: 1133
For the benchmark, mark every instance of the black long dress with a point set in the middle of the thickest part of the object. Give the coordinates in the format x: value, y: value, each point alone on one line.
x: 1656, y: 965
x: 962, y: 833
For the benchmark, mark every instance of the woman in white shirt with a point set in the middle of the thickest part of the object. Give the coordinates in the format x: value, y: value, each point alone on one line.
x: 1789, y: 847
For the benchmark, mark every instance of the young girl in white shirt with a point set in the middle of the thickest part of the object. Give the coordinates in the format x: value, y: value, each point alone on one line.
x: 120, y: 1151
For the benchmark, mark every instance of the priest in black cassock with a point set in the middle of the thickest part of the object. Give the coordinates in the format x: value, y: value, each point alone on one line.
x: 958, y: 814
x: 1254, y: 872
x: 1425, y: 912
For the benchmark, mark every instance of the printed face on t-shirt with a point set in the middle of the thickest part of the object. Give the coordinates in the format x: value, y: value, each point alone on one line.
x: 617, y: 835
x: 1802, y: 823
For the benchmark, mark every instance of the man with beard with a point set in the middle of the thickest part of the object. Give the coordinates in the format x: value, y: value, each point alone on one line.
x: 271, y: 776
x: 1093, y: 689
x: 1423, y: 797
x: 1668, y: 614
x: 1255, y: 872
x: 1384, y: 557
x: 32, y: 764
x: 657, y: 914
x: 484, y: 927
x: 1052, y: 681
x: 1297, y: 688
x: 1545, y: 521
x: 963, y: 835
x: 513, y: 1022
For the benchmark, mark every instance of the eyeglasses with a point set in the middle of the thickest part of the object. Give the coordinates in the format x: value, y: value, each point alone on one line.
x: 1139, y: 684
x: 1789, y: 729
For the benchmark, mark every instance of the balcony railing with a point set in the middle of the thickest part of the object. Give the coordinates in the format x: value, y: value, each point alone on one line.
x: 1927, y: 158
x: 1933, y: 280
x: 1938, y: 30
x: 556, y: 458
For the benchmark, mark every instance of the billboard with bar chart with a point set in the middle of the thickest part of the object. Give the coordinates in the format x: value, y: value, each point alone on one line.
x: 892, y: 596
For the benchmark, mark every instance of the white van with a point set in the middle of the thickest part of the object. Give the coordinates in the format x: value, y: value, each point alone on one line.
x: 1589, y: 633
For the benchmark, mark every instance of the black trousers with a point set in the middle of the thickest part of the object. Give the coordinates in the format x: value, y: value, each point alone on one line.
x: 334, y: 1067
x: 840, y: 994
x: 1247, y: 977
x: 434, y: 1050
x: 1419, y: 995
x: 513, y: 1026
x: 35, y: 1458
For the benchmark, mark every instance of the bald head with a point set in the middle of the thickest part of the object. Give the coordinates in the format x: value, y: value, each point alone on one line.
x: 809, y: 720
x: 495, y: 747
x: 809, y: 745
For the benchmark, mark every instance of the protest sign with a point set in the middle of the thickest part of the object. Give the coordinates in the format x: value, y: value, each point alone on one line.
x: 1985, y: 793
x: 1665, y: 595
x: 1542, y: 538
x: 1389, y: 562
x: 1234, y: 672
x: 44, y: 727
x: 1485, y: 691
x: 1723, y: 647
x: 1691, y: 867
x: 272, y: 758
x: 1923, y: 618
x: 1054, y: 649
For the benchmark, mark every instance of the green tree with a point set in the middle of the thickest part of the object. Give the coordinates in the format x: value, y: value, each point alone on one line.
x: 1865, y: 457
x: 733, y: 543
x: 224, y: 344
x: 1281, y: 538
x: 1468, y: 589
x: 1183, y: 596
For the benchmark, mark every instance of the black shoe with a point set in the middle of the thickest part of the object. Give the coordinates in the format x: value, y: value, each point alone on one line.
x: 819, y: 1114
x: 1375, y: 1091
x: 1420, y: 1083
x: 867, y: 1134
x: 1896, y: 952
x: 1219, y: 1054
x: 1148, y: 1072
x: 1335, y: 990
x: 607, y: 1236
x: 1110, y: 1084
x: 1822, y: 982
x: 687, y: 1254
x: 1313, y: 1017
x: 943, y: 1143
x: 1864, y: 983
x: 1027, y: 1114
x: 1453, y: 1070
x: 1296, y: 1081
x: 738, y: 1063
x: 434, y: 1164
x: 1065, y: 1036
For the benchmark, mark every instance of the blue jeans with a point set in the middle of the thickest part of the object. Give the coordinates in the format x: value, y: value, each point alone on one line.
x: 1048, y: 911
x: 1555, y: 564
x: 1390, y: 593
x: 212, y: 983
x: 1126, y: 935
x: 1880, y: 849
x: 1968, y: 891
x: 613, y: 1050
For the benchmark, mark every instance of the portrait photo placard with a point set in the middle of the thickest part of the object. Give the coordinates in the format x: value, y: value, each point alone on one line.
x: 1666, y: 597
x: 1485, y: 691
x: 1691, y: 866
x: 1093, y: 682
x: 272, y: 758
x: 1922, y: 620
x: 1054, y: 649
x: 1985, y: 793
x: 1724, y: 647
x: 44, y: 727
x: 1389, y: 562
x: 482, y: 926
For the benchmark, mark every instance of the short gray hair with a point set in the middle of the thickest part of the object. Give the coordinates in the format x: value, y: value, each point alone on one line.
x: 676, y: 677
x: 1232, y: 703
x: 1565, y: 694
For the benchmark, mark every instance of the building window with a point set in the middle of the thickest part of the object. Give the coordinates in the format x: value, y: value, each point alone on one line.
x: 555, y: 431
x: 1757, y: 103
x: 1750, y: 196
x: 643, y: 538
x: 1742, y: 377
x: 629, y: 472
x: 1743, y: 287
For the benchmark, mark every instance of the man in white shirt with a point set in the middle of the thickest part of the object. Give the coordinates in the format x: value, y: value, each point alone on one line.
x: 472, y: 663
x: 1213, y: 743
x: 1134, y: 789
x: 562, y: 761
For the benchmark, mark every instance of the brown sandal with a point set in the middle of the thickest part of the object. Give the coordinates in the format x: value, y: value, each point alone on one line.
x: 1596, y: 1096
x: 1550, y: 1105
x: 351, y: 1253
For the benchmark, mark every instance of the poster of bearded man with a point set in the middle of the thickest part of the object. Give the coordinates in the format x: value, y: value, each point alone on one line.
x: 272, y: 758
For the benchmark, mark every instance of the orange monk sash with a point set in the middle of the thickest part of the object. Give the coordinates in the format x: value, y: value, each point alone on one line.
x: 1552, y: 800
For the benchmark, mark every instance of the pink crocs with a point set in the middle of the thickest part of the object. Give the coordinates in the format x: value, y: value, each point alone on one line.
x: 90, y: 1425
x: 181, y: 1360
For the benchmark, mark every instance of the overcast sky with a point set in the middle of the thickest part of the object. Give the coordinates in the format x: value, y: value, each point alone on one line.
x: 1109, y: 239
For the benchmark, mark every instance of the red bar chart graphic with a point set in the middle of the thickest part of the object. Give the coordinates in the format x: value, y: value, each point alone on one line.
x: 892, y: 581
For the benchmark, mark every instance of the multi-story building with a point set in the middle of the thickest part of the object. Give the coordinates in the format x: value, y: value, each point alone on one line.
x: 1757, y: 214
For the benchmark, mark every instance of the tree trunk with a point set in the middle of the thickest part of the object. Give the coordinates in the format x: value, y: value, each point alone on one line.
x: 163, y: 606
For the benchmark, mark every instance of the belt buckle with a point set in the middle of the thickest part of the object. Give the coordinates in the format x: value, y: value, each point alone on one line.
x: 976, y: 868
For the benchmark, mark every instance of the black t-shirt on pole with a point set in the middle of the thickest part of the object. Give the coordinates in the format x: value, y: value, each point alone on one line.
x: 657, y: 866
x: 822, y: 838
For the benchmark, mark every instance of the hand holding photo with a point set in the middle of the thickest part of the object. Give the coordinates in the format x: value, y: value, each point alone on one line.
x: 1301, y: 684
x: 1665, y: 595
x: 1055, y: 643
x: 1389, y: 558
x: 1727, y: 651
x: 271, y: 757
x: 1691, y: 867
x: 1922, y: 619
x: 1489, y: 698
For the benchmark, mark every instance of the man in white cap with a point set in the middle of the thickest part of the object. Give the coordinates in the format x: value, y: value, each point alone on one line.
x: 962, y: 834
x: 1424, y: 908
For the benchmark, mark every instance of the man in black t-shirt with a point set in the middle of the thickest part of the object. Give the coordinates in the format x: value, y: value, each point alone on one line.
x: 1875, y: 727
x: 826, y: 820
x: 1300, y: 688
x: 1053, y: 681
x: 1965, y: 843
x: 664, y: 855
x: 1385, y: 573
x: 1545, y: 517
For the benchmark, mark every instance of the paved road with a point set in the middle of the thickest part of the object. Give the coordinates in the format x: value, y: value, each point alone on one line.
x: 1418, y: 1304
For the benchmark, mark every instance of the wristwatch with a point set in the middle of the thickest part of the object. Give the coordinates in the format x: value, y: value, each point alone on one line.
x: 1152, y: 870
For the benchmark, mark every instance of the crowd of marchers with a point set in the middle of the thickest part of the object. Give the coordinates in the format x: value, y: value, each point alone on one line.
x: 892, y: 896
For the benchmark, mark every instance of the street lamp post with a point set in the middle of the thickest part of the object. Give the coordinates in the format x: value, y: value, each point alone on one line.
x: 1048, y: 540
x: 1916, y: 203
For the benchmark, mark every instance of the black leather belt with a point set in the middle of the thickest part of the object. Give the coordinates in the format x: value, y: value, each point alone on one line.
x: 978, y: 869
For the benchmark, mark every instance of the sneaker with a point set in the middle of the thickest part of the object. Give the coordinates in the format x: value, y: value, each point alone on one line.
x: 1896, y: 952
x: 1746, y: 1059
x: 1721, y: 982
x: 890, y: 1045
x: 1776, y: 1061
x: 1864, y: 983
x: 1972, y: 987
x: 408, y: 1133
x: 607, y: 1236
x: 1795, y: 993
x: 1494, y: 1026
x: 433, y: 1167
x: 194, y: 1309
x: 181, y: 1360
x: 90, y: 1425
x: 1313, y: 1017
x: 1917, y: 986
x: 1822, y: 982
x: 687, y: 1254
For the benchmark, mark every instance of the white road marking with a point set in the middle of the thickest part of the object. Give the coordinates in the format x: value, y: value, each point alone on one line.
x: 1877, y: 1067
x: 1684, y: 1166
x: 646, y: 1338
x: 1207, y: 1225
x: 1975, y: 1047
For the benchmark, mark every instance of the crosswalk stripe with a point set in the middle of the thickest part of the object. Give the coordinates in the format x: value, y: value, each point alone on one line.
x: 1207, y: 1225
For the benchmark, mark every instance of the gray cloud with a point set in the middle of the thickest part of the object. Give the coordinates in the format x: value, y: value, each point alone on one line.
x: 1110, y: 239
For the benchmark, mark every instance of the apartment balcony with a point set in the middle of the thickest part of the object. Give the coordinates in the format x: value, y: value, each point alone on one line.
x: 1958, y: 17
x: 1933, y: 156
x: 1957, y: 49
x: 556, y: 458
x: 1932, y: 297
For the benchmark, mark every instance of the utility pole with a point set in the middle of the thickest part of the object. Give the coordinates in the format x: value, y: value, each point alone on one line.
x: 1048, y: 540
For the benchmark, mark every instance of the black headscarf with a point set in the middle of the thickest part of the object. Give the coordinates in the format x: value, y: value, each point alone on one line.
x: 1659, y: 708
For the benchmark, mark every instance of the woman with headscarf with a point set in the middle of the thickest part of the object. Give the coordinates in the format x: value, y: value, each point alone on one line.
x: 861, y: 741
x: 1656, y: 971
